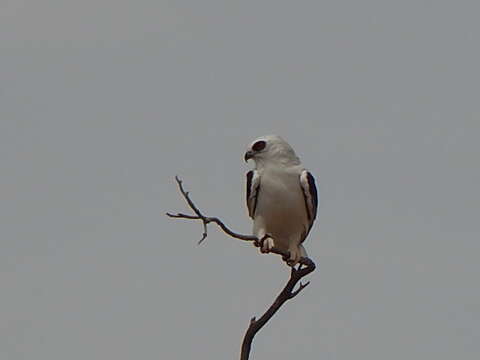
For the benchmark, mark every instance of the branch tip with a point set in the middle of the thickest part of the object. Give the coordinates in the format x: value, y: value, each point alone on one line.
x: 204, y: 236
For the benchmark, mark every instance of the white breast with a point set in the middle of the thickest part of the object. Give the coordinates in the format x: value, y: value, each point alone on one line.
x: 281, y: 208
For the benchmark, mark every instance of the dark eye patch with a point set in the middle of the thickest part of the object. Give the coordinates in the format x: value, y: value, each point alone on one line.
x: 259, y: 145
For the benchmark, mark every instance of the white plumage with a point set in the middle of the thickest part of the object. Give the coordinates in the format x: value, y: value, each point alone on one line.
x: 281, y: 197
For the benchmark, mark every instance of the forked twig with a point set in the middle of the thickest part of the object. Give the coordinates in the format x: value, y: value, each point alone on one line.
x: 206, y: 219
x: 305, y: 267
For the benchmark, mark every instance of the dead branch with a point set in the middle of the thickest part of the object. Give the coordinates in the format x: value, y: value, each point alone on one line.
x: 206, y: 219
x: 211, y: 219
x: 286, y: 294
x: 305, y: 267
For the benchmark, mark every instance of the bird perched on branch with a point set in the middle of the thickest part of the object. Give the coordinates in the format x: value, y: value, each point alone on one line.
x: 282, y: 197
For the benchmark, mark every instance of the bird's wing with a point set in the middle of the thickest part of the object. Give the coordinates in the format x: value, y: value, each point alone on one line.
x: 253, y: 187
x: 310, y: 195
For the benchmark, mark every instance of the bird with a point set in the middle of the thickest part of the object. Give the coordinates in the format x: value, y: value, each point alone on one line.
x: 282, y: 197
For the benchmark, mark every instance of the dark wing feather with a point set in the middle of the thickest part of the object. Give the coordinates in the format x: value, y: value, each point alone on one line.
x: 310, y: 194
x: 253, y: 187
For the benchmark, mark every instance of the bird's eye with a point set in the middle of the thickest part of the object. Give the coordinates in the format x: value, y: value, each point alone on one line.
x: 259, y: 145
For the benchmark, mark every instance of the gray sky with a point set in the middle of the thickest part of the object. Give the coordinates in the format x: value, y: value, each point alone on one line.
x: 103, y: 102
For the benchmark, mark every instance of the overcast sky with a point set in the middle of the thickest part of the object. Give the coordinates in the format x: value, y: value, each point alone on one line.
x: 102, y: 102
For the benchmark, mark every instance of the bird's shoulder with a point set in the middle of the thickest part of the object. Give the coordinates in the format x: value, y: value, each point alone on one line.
x: 253, y: 185
x: 310, y: 193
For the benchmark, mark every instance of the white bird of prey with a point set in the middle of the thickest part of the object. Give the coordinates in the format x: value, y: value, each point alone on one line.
x: 282, y: 197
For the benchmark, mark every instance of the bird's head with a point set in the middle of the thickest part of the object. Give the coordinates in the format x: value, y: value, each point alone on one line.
x: 271, y: 148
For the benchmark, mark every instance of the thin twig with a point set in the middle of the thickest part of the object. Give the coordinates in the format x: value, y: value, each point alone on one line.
x: 206, y: 219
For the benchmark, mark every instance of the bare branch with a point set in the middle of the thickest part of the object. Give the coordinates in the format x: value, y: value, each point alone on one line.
x: 286, y: 294
x: 305, y: 267
x: 209, y: 219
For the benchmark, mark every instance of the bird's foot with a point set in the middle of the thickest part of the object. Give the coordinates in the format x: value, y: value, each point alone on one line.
x: 265, y: 243
x: 286, y: 257
x: 293, y: 258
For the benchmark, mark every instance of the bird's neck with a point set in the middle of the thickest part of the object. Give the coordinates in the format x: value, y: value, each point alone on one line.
x: 280, y: 161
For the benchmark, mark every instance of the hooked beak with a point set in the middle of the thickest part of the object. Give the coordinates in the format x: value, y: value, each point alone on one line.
x: 248, y: 155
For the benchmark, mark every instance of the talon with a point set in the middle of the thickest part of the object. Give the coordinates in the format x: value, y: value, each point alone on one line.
x: 265, y: 237
x: 287, y: 258
x: 266, y: 243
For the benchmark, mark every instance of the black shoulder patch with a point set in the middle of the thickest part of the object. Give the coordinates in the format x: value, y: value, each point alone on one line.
x: 253, y: 187
x: 313, y: 190
x: 249, y: 183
